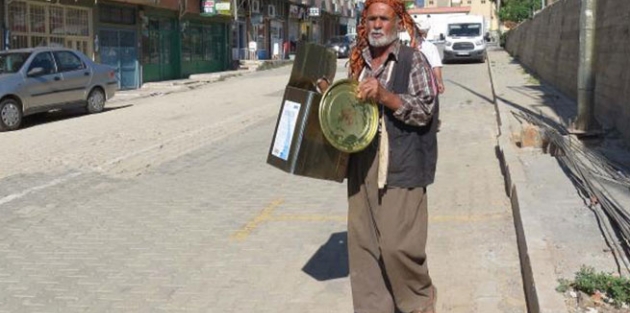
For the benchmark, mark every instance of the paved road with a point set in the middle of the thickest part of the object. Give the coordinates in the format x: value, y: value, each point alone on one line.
x: 166, y: 204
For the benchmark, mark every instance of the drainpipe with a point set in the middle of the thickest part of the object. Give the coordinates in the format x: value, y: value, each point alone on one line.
x: 585, y: 120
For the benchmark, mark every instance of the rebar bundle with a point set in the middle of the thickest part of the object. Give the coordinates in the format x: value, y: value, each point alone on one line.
x: 594, y: 174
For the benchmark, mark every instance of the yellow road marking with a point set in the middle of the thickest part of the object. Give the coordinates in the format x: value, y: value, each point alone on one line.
x: 310, y: 218
x: 264, y: 215
x: 469, y: 218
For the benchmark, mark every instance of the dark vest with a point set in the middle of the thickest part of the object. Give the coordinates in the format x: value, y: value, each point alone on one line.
x: 412, y: 149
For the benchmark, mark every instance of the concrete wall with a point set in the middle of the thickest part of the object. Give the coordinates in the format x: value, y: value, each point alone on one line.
x: 549, y: 46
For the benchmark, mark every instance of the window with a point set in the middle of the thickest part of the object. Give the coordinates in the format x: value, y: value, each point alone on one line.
x: 208, y: 54
x: 38, y: 19
x: 18, y: 17
x: 56, y: 24
x: 68, y: 61
x: 43, y: 24
x: 12, y: 62
x: 45, y: 61
x: 117, y: 15
x: 196, y: 42
x: 77, y: 22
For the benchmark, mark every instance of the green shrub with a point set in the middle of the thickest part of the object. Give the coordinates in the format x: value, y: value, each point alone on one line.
x: 588, y: 281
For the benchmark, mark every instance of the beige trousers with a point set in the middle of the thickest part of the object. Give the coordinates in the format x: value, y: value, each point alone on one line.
x: 387, y: 234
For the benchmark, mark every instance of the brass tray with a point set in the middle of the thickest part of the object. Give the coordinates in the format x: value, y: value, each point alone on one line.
x: 348, y: 124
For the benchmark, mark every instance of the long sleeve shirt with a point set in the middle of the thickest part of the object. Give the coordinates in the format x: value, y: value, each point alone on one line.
x: 419, y: 101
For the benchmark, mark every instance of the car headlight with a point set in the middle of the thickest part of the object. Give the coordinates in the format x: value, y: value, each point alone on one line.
x: 479, y: 42
x: 448, y: 43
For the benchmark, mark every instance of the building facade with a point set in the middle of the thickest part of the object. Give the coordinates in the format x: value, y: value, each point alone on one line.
x: 144, y: 40
x: 3, y: 26
x: 42, y: 23
x: 155, y: 40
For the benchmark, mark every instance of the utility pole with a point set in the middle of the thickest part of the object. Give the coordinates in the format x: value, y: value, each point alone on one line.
x: 585, y: 121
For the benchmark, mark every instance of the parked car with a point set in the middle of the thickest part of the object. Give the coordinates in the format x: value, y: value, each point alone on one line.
x: 42, y: 79
x: 341, y: 45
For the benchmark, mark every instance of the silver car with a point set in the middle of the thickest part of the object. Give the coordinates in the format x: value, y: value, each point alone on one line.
x: 42, y: 79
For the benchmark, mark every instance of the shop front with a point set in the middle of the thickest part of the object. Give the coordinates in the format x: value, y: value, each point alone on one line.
x: 39, y: 24
x: 117, y: 42
x: 3, y: 27
x: 205, y: 39
x: 297, y: 17
x: 160, y: 45
x: 204, y: 46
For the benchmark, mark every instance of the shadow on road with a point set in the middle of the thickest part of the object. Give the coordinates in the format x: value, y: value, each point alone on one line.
x: 61, y: 115
x: 331, y: 259
x: 490, y: 101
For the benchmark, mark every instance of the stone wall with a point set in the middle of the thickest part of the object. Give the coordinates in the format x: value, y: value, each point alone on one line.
x: 549, y: 46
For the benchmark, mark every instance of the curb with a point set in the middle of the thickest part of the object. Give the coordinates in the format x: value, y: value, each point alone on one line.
x: 193, y: 81
x: 537, y: 269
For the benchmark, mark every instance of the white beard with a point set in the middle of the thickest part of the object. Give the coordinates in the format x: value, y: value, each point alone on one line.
x: 383, y: 41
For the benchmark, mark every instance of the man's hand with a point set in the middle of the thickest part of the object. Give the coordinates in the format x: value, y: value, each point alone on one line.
x: 440, y: 87
x: 322, y: 84
x: 370, y: 89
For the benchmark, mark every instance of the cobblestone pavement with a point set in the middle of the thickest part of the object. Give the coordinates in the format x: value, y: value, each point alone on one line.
x: 167, y: 205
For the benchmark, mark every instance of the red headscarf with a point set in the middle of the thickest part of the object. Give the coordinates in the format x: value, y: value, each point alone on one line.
x: 356, y: 60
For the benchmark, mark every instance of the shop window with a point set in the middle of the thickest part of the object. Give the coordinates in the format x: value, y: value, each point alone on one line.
x: 39, y: 41
x: 117, y: 15
x: 56, y: 24
x: 37, y: 17
x: 57, y: 41
x: 197, y: 44
x: 18, y: 17
x: 77, y: 22
x: 40, y: 24
x: 208, y: 50
x: 186, y: 46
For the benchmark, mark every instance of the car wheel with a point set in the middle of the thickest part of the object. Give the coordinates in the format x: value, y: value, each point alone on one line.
x: 10, y: 115
x: 96, y: 101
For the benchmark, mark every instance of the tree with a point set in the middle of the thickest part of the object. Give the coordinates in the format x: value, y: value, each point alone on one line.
x: 518, y: 10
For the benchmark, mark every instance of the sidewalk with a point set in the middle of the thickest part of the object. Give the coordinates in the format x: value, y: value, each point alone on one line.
x: 557, y: 232
x: 154, y: 89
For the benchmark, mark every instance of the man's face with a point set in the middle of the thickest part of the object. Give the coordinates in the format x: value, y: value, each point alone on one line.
x: 382, y: 25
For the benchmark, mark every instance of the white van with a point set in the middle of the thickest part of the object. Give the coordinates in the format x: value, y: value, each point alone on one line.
x: 465, y: 38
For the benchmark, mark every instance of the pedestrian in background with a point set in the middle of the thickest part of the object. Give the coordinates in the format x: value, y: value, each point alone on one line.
x: 432, y: 54
x: 430, y: 51
x: 387, y: 182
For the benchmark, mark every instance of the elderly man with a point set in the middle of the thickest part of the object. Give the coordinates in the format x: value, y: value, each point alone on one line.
x: 387, y: 216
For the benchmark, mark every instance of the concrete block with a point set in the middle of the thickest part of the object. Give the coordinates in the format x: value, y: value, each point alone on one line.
x: 531, y: 136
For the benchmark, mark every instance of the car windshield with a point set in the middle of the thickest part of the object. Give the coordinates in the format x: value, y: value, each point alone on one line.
x: 11, y: 62
x: 464, y: 30
x: 335, y: 40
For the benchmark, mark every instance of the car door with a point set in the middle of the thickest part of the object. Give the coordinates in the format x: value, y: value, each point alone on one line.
x: 42, y: 82
x: 75, y: 76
